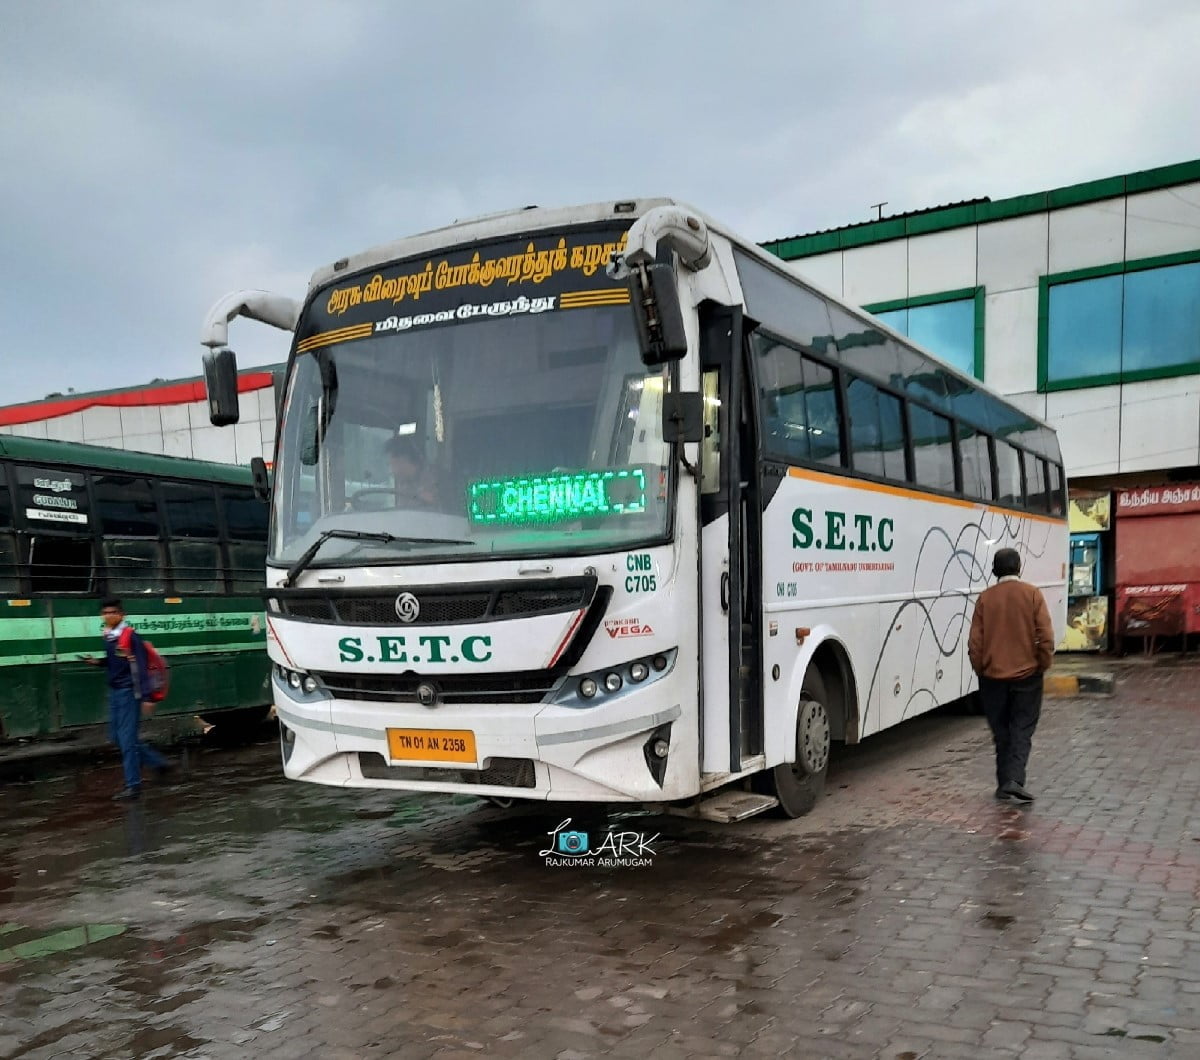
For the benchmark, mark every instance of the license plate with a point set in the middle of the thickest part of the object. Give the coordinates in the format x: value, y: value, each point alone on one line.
x: 432, y: 745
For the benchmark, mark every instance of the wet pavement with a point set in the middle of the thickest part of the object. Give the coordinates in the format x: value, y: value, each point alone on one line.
x: 234, y: 914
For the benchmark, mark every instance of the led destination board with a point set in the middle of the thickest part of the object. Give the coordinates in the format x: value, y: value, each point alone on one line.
x: 556, y: 498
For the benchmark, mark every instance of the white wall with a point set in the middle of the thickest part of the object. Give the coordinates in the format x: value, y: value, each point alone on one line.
x: 1103, y: 430
x: 174, y: 430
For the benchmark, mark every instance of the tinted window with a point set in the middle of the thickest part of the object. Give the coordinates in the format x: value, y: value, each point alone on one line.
x: 9, y: 580
x: 191, y: 509
x: 946, y: 329
x: 779, y: 302
x: 245, y: 515
x: 1008, y: 475
x: 1084, y: 329
x: 976, y: 464
x: 933, y: 448
x: 799, y: 401
x: 1161, y: 327
x: 876, y: 430
x: 5, y: 501
x: 1035, y: 483
x: 247, y: 567
x: 125, y: 505
x: 1057, y: 501
x: 196, y: 566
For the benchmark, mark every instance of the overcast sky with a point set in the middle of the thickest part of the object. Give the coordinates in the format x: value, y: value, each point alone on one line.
x: 155, y: 155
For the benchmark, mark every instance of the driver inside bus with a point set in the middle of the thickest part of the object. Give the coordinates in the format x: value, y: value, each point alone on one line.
x: 414, y: 485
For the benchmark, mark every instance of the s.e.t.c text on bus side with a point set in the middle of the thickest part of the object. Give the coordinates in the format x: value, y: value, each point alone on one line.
x: 859, y: 532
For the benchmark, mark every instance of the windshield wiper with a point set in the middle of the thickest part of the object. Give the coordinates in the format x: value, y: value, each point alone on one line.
x: 380, y: 536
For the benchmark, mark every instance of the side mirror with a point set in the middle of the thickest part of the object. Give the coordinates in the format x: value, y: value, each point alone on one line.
x: 260, y: 478
x: 657, y: 314
x: 683, y: 417
x: 220, y: 380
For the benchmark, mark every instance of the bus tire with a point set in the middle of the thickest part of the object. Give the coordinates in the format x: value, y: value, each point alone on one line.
x: 798, y: 785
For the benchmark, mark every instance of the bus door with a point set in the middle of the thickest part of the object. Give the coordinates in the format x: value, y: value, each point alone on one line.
x: 731, y: 611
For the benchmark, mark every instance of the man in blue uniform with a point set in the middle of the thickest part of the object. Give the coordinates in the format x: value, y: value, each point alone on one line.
x: 128, y: 697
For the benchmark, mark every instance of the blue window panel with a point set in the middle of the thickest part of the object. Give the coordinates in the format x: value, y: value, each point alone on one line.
x: 1084, y: 337
x: 1162, y: 318
x: 946, y: 329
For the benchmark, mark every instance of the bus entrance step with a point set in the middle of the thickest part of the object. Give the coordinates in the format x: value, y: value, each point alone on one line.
x: 728, y: 806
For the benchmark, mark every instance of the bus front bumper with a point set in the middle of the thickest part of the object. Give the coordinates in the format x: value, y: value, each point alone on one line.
x: 613, y: 753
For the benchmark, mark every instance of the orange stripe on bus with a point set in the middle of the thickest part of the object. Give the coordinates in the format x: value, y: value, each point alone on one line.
x: 911, y: 494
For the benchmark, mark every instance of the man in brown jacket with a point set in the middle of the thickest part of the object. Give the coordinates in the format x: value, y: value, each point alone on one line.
x: 1011, y: 645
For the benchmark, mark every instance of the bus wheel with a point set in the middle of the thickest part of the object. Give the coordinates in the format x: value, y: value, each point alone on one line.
x: 798, y: 785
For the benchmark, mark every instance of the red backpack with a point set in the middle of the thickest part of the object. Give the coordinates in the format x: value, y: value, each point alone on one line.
x: 158, y: 673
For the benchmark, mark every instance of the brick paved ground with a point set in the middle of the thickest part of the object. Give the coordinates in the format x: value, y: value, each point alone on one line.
x: 910, y: 916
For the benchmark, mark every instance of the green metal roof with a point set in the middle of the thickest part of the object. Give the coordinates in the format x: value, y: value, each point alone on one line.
x: 76, y: 454
x: 980, y: 211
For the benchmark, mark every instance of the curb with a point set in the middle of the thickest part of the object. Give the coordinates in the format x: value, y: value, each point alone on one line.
x: 1095, y: 684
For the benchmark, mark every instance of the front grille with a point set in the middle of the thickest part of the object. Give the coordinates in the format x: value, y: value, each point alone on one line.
x: 440, y: 604
x: 530, y: 686
x: 499, y: 773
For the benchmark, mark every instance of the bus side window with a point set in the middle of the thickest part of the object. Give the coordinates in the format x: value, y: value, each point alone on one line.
x: 10, y: 581
x: 876, y: 431
x: 246, y: 531
x: 52, y: 505
x: 976, y: 463
x: 1035, y: 471
x: 933, y: 448
x: 131, y: 524
x: 821, y: 411
x: 1008, y: 474
x: 193, y: 533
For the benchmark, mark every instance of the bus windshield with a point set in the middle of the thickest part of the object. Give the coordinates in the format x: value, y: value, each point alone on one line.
x: 532, y: 433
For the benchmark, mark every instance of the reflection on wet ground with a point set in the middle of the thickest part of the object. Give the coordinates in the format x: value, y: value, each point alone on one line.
x: 232, y: 913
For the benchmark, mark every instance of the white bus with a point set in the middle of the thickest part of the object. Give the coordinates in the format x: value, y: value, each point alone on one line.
x: 687, y: 519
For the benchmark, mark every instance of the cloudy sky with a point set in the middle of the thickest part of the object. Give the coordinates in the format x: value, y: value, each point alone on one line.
x: 154, y: 155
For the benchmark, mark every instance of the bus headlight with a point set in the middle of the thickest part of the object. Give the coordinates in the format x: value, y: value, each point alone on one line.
x: 638, y: 672
x: 310, y: 684
x: 588, y: 688
x: 612, y: 682
x: 294, y: 680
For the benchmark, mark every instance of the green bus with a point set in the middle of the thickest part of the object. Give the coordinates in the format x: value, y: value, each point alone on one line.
x: 182, y: 542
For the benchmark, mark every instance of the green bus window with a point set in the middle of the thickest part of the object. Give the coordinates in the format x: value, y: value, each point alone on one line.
x: 245, y: 515
x: 247, y: 561
x: 5, y: 503
x: 196, y: 566
x: 191, y: 510
x: 133, y: 566
x: 126, y: 506
x: 10, y: 581
x: 61, y: 563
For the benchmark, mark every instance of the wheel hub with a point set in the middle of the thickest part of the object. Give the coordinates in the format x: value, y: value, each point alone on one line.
x: 812, y: 737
